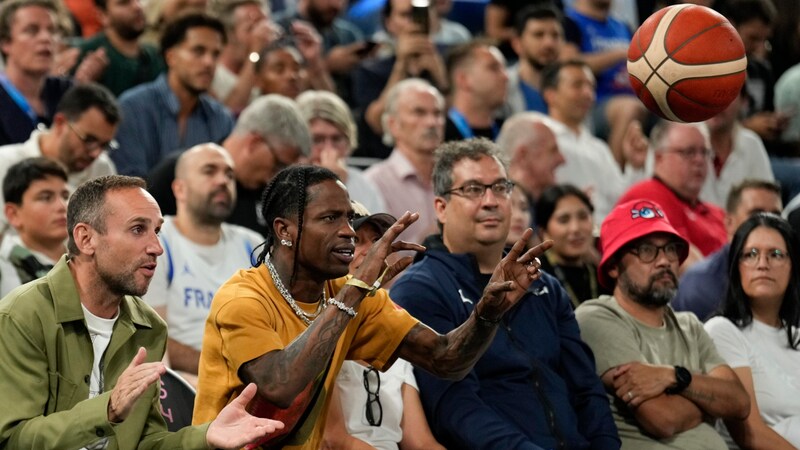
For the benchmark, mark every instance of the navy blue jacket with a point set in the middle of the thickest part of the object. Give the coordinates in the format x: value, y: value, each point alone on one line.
x: 534, y: 388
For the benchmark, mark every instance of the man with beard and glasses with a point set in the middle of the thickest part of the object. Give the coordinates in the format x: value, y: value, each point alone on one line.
x: 114, y: 57
x: 414, y: 121
x: 200, y: 251
x: 538, y: 40
x: 665, y: 380
x: 174, y: 112
x: 79, y: 350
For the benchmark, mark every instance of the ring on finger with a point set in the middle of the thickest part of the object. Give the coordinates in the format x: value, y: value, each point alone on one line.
x: 629, y: 395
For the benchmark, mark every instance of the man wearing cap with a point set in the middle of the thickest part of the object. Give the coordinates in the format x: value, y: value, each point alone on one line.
x: 535, y: 386
x: 663, y: 375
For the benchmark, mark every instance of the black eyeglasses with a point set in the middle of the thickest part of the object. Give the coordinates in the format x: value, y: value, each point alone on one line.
x: 374, y: 408
x: 92, y: 143
x: 647, y: 253
x: 478, y: 190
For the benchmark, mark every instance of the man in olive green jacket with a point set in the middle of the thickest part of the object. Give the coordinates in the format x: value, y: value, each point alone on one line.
x: 56, y: 393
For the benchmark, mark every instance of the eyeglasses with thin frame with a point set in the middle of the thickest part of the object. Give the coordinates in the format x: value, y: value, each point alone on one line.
x: 374, y: 408
x: 92, y: 143
x: 648, y: 253
x: 477, y: 190
x: 689, y: 154
x: 774, y: 256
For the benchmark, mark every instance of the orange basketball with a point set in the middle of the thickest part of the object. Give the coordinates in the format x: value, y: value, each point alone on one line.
x: 686, y: 63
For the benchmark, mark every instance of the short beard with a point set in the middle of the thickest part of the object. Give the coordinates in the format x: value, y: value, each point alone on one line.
x: 128, y: 32
x: 122, y: 284
x: 649, y: 295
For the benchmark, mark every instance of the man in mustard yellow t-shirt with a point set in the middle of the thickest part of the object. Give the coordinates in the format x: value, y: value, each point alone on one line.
x: 287, y: 324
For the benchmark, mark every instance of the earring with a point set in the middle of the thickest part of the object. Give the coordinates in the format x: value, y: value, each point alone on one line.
x: 286, y: 242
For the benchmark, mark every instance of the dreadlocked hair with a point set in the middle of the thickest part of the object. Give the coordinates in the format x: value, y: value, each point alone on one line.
x: 287, y: 196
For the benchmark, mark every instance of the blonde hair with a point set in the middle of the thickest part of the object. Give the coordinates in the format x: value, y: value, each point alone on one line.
x: 328, y: 106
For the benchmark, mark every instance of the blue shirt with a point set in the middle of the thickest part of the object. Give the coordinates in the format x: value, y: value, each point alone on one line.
x: 149, y: 128
x: 703, y: 287
x: 595, y: 36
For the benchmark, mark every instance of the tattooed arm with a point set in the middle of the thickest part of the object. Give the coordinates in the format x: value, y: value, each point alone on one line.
x: 719, y: 394
x: 454, y: 354
x: 283, y: 374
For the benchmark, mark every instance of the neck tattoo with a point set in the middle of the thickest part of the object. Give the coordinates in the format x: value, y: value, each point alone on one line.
x: 307, y: 318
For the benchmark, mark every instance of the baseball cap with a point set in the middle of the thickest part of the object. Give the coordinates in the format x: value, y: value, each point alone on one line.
x: 628, y: 222
x: 381, y: 221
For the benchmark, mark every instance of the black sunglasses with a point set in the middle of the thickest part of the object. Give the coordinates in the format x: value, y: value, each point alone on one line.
x: 374, y: 408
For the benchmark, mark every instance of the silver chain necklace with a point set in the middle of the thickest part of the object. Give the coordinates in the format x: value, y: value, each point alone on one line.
x: 304, y: 316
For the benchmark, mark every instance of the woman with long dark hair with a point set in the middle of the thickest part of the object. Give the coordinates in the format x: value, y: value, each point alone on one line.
x: 564, y: 214
x: 757, y: 331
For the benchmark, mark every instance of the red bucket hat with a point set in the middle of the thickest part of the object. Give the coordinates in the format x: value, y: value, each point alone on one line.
x: 628, y: 222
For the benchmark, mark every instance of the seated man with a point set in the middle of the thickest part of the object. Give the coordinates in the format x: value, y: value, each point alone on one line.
x: 681, y: 165
x: 535, y: 387
x: 663, y: 375
x: 201, y: 250
x: 83, y: 130
x: 289, y: 323
x: 79, y: 350
x: 36, y: 195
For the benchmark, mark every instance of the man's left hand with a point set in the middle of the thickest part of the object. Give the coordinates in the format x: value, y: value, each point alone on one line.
x: 235, y: 428
x: 511, y: 278
x: 636, y: 383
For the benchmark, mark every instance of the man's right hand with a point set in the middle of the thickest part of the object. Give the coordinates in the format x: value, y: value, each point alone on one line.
x: 133, y: 382
x: 511, y: 278
x: 344, y: 58
x: 374, y: 263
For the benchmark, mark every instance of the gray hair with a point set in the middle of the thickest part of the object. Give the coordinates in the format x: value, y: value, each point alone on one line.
x: 330, y: 107
x: 660, y: 131
x: 518, y: 130
x: 278, y: 120
x: 449, y: 153
x: 394, y: 94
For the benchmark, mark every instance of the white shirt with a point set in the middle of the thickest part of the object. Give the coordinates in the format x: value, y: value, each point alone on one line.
x: 775, y: 368
x: 100, y: 330
x: 14, y: 153
x: 353, y: 394
x: 189, y: 274
x: 9, y: 278
x: 748, y: 159
x: 590, y: 165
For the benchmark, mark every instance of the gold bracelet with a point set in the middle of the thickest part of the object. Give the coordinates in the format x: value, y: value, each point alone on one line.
x: 371, y: 290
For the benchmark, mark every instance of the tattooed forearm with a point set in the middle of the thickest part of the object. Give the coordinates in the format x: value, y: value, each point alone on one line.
x: 699, y: 396
x: 448, y: 356
x: 281, y: 375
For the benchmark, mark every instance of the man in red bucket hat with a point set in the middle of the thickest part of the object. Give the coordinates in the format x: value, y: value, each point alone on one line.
x: 661, y: 370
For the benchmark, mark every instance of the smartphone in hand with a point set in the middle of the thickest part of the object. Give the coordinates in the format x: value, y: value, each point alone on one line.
x: 421, y: 15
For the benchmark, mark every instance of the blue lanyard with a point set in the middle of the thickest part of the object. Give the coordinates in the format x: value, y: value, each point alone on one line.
x: 463, y: 127
x: 19, y: 99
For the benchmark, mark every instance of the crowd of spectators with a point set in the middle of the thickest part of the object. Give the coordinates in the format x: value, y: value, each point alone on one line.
x: 528, y: 120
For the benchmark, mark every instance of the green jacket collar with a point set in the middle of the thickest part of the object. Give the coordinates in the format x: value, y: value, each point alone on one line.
x: 68, y: 304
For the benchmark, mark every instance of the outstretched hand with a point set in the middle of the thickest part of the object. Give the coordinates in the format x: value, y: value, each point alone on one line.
x: 511, y: 278
x: 234, y: 427
x: 374, y: 263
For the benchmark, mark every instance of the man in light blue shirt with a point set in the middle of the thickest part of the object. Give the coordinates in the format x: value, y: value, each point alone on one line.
x: 174, y: 112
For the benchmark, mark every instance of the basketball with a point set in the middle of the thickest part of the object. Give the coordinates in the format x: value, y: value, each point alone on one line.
x: 686, y: 63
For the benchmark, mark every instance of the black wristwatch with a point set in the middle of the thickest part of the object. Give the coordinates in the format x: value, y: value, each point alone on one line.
x: 683, y: 378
